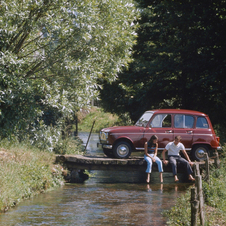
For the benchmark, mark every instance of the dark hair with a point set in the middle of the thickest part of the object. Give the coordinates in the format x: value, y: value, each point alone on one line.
x: 154, y: 137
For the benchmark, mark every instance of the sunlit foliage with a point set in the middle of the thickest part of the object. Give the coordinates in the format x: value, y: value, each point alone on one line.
x: 51, y: 54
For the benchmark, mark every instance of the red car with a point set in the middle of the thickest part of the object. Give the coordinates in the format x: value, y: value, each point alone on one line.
x: 194, y: 127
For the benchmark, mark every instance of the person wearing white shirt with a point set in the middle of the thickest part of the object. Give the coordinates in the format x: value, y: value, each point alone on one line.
x: 174, y: 149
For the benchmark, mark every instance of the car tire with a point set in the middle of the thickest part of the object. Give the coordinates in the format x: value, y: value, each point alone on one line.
x: 108, y: 152
x: 198, y: 152
x: 122, y: 149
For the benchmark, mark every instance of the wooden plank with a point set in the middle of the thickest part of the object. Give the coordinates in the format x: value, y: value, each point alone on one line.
x: 104, y: 163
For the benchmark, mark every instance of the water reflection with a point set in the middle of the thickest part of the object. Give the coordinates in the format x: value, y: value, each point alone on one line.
x: 97, y: 204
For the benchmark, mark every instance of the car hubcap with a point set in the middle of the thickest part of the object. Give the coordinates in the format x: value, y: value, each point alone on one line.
x: 200, y: 153
x: 122, y: 150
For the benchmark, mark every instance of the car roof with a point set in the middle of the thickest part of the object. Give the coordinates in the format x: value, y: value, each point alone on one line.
x: 177, y: 111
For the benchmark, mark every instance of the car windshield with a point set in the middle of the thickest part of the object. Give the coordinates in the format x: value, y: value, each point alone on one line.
x: 144, y: 119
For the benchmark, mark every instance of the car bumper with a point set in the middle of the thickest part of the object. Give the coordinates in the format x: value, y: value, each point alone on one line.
x: 107, y: 146
x: 219, y: 148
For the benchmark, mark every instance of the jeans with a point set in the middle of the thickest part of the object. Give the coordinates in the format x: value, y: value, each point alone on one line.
x: 173, y: 159
x: 149, y: 163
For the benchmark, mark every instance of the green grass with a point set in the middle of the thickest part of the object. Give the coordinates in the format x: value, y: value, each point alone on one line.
x: 215, y: 200
x: 25, y: 172
x: 102, y: 119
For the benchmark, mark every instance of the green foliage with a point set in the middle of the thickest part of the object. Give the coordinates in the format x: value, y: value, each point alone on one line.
x: 220, y: 131
x: 51, y: 55
x: 179, y: 61
x: 25, y: 171
x: 180, y: 213
x: 215, y: 190
x: 69, y: 145
x: 102, y: 119
x: 215, y: 200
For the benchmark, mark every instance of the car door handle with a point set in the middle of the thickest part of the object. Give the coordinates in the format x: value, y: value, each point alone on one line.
x: 168, y: 131
x: 190, y: 132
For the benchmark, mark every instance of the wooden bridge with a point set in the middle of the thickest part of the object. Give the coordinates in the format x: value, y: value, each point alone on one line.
x: 104, y: 163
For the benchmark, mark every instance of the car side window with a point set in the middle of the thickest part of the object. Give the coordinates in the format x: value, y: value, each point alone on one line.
x: 183, y: 121
x: 202, y: 123
x: 161, y: 120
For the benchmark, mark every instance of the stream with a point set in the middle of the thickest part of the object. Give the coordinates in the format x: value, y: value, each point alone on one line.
x: 106, y: 198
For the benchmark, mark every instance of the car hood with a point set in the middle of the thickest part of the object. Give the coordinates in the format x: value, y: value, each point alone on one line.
x: 122, y: 129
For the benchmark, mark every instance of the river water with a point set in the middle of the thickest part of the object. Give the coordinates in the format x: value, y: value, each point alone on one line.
x: 106, y: 198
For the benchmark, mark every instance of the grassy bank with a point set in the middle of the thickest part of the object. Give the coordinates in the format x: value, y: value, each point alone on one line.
x: 25, y: 172
x: 102, y: 119
x: 215, y: 200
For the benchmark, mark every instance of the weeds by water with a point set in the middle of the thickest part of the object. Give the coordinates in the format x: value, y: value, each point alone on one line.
x: 215, y: 200
x: 25, y: 171
x: 180, y: 213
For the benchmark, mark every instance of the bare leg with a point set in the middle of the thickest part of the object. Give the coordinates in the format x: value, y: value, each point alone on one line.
x: 148, y: 177
x: 161, y: 177
x: 190, y: 177
x: 176, y: 178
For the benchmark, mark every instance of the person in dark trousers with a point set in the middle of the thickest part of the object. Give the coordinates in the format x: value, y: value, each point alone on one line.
x: 174, y: 149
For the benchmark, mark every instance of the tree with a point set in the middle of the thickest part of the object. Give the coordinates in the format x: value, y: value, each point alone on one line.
x: 53, y: 52
x: 179, y: 60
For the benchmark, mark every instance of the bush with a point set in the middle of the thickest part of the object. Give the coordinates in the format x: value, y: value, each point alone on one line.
x: 69, y: 145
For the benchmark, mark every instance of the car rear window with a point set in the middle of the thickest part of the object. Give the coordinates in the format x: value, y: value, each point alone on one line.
x: 202, y: 123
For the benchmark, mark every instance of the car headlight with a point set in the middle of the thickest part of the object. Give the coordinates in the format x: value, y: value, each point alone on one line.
x: 103, y: 136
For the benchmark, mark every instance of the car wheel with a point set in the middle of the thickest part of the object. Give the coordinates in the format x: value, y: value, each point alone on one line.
x: 108, y: 152
x: 198, y: 152
x: 122, y: 149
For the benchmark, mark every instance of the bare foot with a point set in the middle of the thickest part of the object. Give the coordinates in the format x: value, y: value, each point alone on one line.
x: 176, y: 178
x: 191, y: 178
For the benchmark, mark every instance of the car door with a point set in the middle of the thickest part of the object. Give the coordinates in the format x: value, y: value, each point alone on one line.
x: 183, y: 125
x: 203, y: 133
x: 160, y: 125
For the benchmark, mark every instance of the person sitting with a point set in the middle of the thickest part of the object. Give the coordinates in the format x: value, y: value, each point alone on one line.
x: 174, y: 149
x: 150, y: 155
